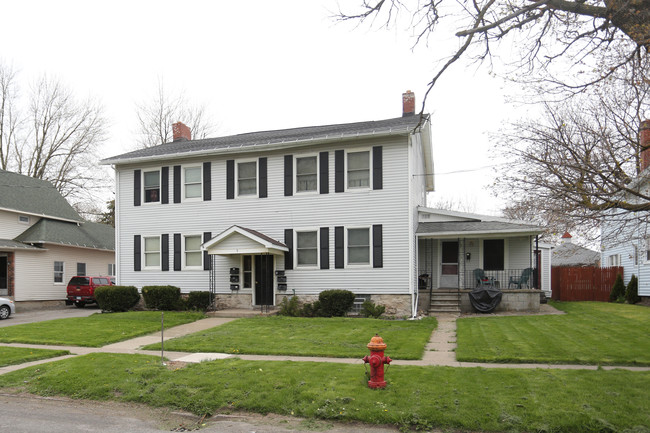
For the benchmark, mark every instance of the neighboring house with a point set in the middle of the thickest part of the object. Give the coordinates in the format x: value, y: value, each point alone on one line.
x: 44, y: 241
x: 258, y: 216
x: 625, y: 238
x: 572, y: 255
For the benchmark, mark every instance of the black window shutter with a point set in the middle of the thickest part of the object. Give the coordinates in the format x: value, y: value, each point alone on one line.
x: 164, y: 252
x: 339, y: 252
x: 177, y: 251
x: 177, y: 184
x: 324, y: 162
x: 339, y: 171
x: 230, y: 179
x: 288, y: 175
x: 207, y: 181
x: 137, y: 176
x: 137, y: 248
x: 206, y: 258
x: 164, y: 185
x: 288, y: 256
x: 377, y: 168
x: 377, y: 246
x: 324, y: 248
x: 263, y: 180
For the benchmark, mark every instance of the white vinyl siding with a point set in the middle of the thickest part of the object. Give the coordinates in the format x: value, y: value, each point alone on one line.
x: 10, y: 225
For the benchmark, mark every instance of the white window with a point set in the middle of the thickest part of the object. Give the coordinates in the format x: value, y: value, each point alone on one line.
x: 152, y: 186
x: 307, y: 248
x: 152, y: 252
x: 614, y: 260
x: 306, y: 174
x: 193, y: 253
x: 111, y: 269
x: 192, y: 181
x: 358, y: 169
x: 247, y: 178
x: 81, y: 269
x: 58, y: 272
x: 359, y: 246
x: 23, y: 219
x: 247, y: 272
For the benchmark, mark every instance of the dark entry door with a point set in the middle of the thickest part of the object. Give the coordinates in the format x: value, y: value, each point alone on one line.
x: 3, y: 276
x: 264, y: 279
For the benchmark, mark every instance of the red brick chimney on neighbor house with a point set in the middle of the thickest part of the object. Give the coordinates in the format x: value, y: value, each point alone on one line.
x: 644, y: 143
x: 181, y: 131
x: 408, y: 103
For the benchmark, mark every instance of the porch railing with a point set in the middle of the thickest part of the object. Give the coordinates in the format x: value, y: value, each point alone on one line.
x: 506, y: 279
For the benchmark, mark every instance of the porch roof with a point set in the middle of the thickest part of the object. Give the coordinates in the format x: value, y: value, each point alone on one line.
x: 242, y: 240
x: 452, y: 229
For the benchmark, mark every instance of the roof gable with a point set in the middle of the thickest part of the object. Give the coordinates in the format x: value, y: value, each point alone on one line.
x: 85, y: 235
x: 242, y: 240
x: 33, y: 196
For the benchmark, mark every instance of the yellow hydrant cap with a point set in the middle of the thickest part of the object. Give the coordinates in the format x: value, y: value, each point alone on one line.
x: 376, y: 343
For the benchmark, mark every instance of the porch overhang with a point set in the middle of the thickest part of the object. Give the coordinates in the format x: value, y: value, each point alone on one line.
x: 242, y: 240
x: 474, y: 229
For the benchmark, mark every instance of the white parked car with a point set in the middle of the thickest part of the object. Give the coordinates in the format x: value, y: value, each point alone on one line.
x: 7, y: 308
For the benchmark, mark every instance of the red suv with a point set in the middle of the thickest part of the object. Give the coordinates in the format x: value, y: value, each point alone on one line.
x: 81, y: 290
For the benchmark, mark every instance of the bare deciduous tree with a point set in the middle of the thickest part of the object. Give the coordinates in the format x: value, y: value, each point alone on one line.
x: 155, y: 118
x: 51, y: 136
x: 567, y: 42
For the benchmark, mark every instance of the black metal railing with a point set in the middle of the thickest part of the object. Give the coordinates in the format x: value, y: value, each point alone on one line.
x: 506, y: 279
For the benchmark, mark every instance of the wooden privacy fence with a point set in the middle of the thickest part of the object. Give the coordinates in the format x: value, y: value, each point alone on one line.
x: 584, y: 283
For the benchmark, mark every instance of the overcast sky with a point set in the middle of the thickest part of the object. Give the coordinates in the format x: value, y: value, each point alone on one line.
x: 260, y: 65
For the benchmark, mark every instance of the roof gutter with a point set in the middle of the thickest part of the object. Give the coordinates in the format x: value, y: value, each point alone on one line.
x: 41, y: 215
x: 451, y: 234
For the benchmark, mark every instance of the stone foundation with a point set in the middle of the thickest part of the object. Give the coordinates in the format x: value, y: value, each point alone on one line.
x: 396, y: 305
x: 233, y: 300
x: 525, y: 300
x: 23, y: 306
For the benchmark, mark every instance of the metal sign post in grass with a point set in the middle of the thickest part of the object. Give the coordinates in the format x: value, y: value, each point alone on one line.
x: 162, y: 337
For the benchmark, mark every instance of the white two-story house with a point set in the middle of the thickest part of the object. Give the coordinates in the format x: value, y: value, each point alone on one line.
x: 258, y: 216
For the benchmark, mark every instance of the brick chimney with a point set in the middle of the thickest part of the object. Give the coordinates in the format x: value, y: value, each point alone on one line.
x: 644, y: 143
x: 181, y: 132
x: 566, y: 238
x: 408, y: 103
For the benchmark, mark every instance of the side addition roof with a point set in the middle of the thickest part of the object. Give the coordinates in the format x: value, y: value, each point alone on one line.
x: 85, y: 235
x: 33, y: 196
x: 569, y: 254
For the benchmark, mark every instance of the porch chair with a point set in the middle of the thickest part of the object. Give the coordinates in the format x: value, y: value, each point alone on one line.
x: 481, y: 279
x: 522, y: 280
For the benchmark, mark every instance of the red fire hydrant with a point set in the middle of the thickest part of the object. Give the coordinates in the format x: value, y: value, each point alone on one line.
x: 376, y: 359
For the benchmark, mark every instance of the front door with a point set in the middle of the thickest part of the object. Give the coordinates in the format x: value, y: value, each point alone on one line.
x: 4, y: 281
x: 264, y: 279
x: 449, y: 265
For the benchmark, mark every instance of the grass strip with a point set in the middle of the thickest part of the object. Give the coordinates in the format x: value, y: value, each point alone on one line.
x: 332, y: 337
x: 590, y: 333
x: 96, y: 330
x: 466, y: 399
x: 20, y: 355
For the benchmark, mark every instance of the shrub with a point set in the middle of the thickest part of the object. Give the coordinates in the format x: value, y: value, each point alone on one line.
x: 618, y: 291
x: 335, y: 303
x: 311, y: 310
x: 632, y: 291
x: 117, y: 298
x: 369, y: 309
x: 289, y: 307
x: 162, y: 297
x: 198, y: 301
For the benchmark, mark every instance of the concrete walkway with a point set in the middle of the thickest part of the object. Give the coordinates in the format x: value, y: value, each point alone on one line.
x: 440, y: 350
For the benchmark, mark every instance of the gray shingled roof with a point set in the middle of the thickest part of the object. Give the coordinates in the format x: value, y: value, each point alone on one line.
x: 399, y: 125
x: 33, y: 196
x: 568, y: 254
x: 88, y: 235
x: 14, y: 245
x: 468, y: 227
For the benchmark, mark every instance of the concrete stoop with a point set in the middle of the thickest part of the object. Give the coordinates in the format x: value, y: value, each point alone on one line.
x: 444, y: 301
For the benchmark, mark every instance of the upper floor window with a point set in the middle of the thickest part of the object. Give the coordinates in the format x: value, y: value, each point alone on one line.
x: 152, y: 186
x: 192, y: 181
x: 152, y: 252
x: 23, y: 219
x: 359, y: 246
x: 247, y: 178
x: 58, y: 272
x: 307, y: 248
x: 193, y: 253
x: 358, y: 169
x: 306, y: 174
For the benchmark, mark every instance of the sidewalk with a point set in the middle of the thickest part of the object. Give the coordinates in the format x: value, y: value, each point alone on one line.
x: 440, y: 351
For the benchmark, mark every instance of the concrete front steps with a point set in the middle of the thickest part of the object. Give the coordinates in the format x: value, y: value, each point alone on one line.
x: 444, y: 301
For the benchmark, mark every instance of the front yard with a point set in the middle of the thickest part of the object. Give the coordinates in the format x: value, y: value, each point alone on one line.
x: 590, y: 333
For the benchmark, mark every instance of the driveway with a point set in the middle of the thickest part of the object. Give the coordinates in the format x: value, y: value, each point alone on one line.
x: 49, y: 314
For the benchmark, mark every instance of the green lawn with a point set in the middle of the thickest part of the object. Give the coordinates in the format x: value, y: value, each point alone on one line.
x: 96, y: 330
x: 590, y: 333
x: 332, y: 337
x: 20, y: 355
x: 466, y: 399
